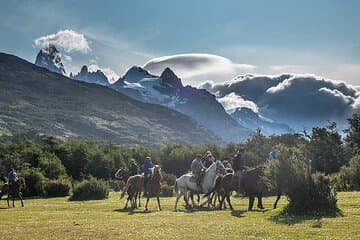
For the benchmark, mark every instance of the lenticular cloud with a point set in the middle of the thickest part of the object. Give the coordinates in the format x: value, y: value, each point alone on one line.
x: 195, y: 64
x: 68, y: 40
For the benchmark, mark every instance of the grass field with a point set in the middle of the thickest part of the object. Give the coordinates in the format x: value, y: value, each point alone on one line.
x: 58, y: 218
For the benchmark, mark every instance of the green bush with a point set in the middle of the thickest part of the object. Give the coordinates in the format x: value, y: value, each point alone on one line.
x: 349, y: 176
x: 51, y: 166
x: 290, y: 173
x: 57, y: 188
x: 168, y: 178
x: 34, y: 180
x: 166, y: 191
x: 91, y: 189
x: 116, y: 185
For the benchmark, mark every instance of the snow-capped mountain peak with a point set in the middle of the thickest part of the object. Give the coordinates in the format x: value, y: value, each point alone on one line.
x: 136, y: 73
x: 97, y: 77
x: 50, y: 58
x: 252, y: 120
x: 169, y: 77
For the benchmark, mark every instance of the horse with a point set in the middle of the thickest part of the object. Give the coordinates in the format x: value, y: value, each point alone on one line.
x: 14, y: 190
x: 152, y: 188
x: 253, y: 186
x: 124, y: 175
x: 187, y: 183
x: 133, y: 188
x: 226, y: 187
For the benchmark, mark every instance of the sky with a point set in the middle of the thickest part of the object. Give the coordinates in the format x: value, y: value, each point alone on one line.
x: 200, y: 40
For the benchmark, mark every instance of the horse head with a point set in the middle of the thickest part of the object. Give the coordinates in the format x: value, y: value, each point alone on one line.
x: 156, y: 173
x: 220, y: 168
x: 21, y: 183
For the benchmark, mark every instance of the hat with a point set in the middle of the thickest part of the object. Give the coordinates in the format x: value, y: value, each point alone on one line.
x: 148, y: 158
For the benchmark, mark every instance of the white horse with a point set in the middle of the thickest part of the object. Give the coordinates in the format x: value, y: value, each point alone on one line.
x: 184, y: 184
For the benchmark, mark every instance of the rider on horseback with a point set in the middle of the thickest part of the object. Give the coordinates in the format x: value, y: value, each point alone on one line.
x: 12, y: 176
x: 197, y: 169
x: 147, y: 170
x: 133, y: 168
x: 239, y: 169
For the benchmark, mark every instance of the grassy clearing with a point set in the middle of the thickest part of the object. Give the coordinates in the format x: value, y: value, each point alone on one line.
x: 58, y: 218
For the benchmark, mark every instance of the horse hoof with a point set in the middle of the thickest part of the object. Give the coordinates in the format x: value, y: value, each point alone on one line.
x: 160, y: 209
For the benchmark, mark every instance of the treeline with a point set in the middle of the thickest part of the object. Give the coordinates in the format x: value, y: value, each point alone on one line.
x: 47, y: 161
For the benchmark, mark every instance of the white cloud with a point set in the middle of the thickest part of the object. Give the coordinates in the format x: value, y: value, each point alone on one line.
x: 67, y: 39
x: 232, y: 101
x: 192, y: 65
x: 109, y: 73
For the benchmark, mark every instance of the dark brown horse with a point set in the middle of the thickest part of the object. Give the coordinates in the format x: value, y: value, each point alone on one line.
x: 152, y: 188
x: 253, y: 186
x: 14, y: 190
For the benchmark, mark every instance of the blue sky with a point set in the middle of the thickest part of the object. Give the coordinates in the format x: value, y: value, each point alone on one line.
x: 319, y: 37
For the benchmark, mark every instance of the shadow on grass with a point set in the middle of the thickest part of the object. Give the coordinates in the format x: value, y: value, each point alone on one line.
x: 238, y: 213
x: 131, y: 211
x: 284, y: 217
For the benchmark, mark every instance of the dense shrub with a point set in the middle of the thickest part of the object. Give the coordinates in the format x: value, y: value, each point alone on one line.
x: 168, y: 178
x: 349, y: 176
x: 34, y: 181
x: 166, y: 191
x: 90, y: 189
x: 57, y: 188
x: 116, y: 185
x: 290, y: 173
x: 51, y: 166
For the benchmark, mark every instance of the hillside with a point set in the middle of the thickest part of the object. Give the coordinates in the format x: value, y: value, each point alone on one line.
x: 34, y: 99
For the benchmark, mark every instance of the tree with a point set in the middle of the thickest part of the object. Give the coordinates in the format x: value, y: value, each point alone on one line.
x: 353, y: 134
x: 326, y: 149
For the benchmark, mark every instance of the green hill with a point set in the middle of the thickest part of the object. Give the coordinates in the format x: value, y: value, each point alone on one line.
x: 32, y: 99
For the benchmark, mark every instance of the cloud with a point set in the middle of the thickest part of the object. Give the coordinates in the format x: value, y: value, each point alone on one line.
x: 68, y: 40
x: 291, y: 98
x: 192, y: 65
x: 232, y: 101
x: 109, y: 73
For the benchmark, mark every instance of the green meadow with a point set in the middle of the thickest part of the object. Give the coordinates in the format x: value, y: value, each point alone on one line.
x: 58, y: 218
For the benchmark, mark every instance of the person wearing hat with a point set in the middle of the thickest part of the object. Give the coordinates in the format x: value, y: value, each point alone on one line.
x: 197, y: 168
x: 133, y: 168
x: 208, y: 159
x: 148, y: 165
x: 239, y: 168
x: 12, y: 176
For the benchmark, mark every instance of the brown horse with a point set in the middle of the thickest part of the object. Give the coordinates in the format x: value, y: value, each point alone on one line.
x: 133, y: 188
x: 152, y: 188
x: 14, y: 190
x: 226, y: 188
x: 253, y: 186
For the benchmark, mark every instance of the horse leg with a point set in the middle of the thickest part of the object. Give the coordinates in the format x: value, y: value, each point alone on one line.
x: 158, y: 200
x: 229, y: 202
x: 139, y: 196
x: 259, y: 205
x: 251, y: 201
x: 21, y: 199
x: 147, y: 202
x: 8, y: 200
x: 13, y: 198
x: 277, y: 199
x: 178, y: 196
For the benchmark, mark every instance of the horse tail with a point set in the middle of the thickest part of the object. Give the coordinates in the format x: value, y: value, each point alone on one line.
x: 176, y: 190
x: 125, y: 189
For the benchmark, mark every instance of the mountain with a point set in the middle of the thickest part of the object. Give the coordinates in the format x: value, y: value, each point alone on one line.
x: 37, y: 100
x: 50, y: 58
x: 168, y: 90
x: 97, y: 77
x: 252, y: 120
